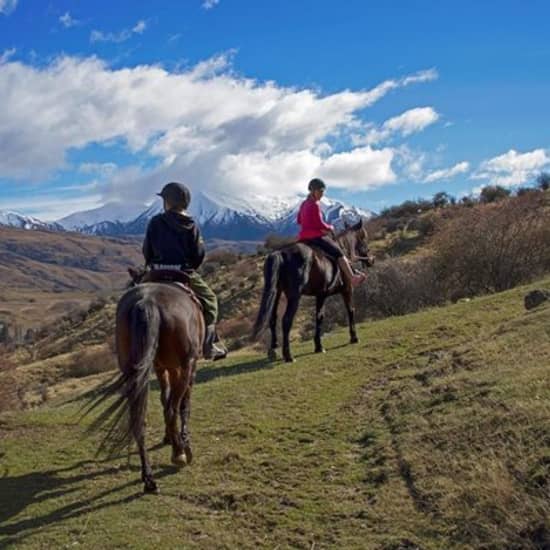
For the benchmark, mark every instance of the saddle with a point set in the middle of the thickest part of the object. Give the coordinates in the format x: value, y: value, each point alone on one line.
x: 174, y: 277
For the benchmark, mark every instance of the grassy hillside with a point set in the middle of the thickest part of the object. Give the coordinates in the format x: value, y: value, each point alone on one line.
x: 44, y: 274
x: 433, y: 432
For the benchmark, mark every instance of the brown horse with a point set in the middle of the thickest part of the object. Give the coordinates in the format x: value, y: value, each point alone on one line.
x: 300, y: 269
x: 160, y: 328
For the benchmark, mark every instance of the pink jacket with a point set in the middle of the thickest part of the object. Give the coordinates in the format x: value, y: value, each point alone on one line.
x: 310, y: 219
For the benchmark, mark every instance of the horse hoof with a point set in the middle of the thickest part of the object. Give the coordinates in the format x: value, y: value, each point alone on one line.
x: 320, y: 350
x: 290, y: 360
x: 272, y: 355
x: 179, y: 460
x: 150, y: 488
x: 188, y: 454
x: 354, y: 340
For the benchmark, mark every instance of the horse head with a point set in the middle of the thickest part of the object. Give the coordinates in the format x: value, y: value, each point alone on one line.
x: 355, y: 240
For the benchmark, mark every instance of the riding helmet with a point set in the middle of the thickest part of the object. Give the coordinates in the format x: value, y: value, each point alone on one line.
x: 316, y: 184
x: 177, y: 194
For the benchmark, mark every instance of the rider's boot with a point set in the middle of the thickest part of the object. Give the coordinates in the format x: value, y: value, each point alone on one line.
x: 353, y: 278
x: 213, y: 347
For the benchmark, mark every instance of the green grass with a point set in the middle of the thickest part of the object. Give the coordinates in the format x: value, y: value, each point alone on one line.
x: 433, y: 432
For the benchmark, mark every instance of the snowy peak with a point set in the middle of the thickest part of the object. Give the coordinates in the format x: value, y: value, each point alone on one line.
x: 21, y: 221
x: 109, y: 212
x: 219, y: 215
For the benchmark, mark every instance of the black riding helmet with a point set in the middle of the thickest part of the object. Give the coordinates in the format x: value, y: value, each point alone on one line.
x: 316, y: 184
x: 177, y: 194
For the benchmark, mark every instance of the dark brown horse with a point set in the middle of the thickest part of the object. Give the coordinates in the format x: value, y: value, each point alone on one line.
x: 300, y: 269
x: 159, y: 328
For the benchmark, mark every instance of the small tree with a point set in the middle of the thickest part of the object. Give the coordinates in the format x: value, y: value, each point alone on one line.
x: 543, y: 181
x: 493, y: 193
x: 442, y: 199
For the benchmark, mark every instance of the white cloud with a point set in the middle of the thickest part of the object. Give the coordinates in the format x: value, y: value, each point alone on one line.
x: 412, y: 121
x: 7, y: 6
x: 7, y: 55
x: 447, y: 173
x: 405, y: 124
x: 68, y: 21
x: 103, y: 169
x: 117, y: 37
x: 513, y: 168
x: 360, y: 169
x: 139, y: 27
x: 209, y: 4
x: 51, y: 208
x: 207, y: 126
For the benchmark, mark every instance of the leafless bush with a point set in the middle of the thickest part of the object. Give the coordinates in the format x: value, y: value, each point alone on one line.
x: 9, y: 388
x: 236, y: 332
x: 397, y: 287
x: 91, y: 361
x: 394, y: 287
x: 494, y: 247
x: 222, y: 257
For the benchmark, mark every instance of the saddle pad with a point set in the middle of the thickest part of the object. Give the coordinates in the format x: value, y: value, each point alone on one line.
x: 173, y: 277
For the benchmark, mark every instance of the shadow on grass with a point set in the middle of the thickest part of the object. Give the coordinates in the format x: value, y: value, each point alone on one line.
x: 217, y: 370
x: 17, y: 493
x: 211, y: 371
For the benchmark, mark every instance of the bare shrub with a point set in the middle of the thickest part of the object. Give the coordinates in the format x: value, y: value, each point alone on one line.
x: 236, y: 331
x: 494, y: 247
x: 397, y: 287
x: 9, y: 388
x: 394, y: 287
x: 222, y: 257
x: 91, y: 361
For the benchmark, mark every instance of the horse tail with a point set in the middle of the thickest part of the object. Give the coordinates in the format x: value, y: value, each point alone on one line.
x: 272, y: 267
x: 126, y: 416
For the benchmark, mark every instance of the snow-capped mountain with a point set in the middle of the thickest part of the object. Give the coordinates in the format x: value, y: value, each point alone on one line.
x: 109, y: 212
x: 232, y: 218
x: 14, y: 219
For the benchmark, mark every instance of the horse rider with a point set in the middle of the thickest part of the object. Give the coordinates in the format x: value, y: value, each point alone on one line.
x: 173, y: 241
x: 315, y: 231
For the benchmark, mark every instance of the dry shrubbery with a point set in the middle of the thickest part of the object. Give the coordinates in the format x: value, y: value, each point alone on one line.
x: 236, y: 332
x: 478, y: 250
x: 494, y: 247
x: 397, y: 287
x: 9, y: 389
x: 91, y: 361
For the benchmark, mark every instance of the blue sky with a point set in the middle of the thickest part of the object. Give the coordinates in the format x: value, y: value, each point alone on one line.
x: 386, y: 101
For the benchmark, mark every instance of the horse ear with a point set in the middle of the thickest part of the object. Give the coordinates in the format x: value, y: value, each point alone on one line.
x: 358, y: 225
x: 134, y: 274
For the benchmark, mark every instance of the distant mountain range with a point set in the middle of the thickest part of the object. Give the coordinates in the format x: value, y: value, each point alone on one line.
x: 219, y: 216
x: 14, y: 219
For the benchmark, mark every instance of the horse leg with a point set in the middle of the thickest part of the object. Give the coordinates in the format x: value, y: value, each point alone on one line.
x: 138, y: 431
x: 319, y: 316
x: 165, y: 399
x: 293, y: 301
x: 185, y: 411
x: 177, y: 390
x: 347, y: 295
x: 272, y: 353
